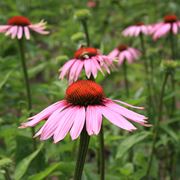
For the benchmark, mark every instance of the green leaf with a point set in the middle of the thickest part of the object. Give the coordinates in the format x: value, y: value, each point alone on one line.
x: 130, y: 141
x: 6, y: 77
x: 45, y: 173
x: 5, y: 161
x: 24, y: 164
x: 61, y: 166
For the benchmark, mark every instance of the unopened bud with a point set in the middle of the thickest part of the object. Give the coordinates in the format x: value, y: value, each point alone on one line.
x: 82, y: 14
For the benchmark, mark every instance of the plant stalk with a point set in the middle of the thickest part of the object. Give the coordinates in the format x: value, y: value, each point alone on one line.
x: 83, y: 147
x: 101, y: 154
x: 126, y: 78
x: 85, y: 27
x: 157, y: 123
x: 27, y: 83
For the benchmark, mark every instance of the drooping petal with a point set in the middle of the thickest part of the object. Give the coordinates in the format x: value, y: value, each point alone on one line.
x: 87, y: 66
x: 117, y: 119
x: 43, y: 114
x: 4, y: 28
x: 20, y: 32
x: 79, y: 121
x: 27, y: 33
x: 14, y: 33
x: 114, y: 53
x: 126, y: 113
x: 66, y: 68
x: 64, y: 124
x: 175, y: 28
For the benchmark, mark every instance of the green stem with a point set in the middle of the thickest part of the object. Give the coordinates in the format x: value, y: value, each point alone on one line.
x: 7, y: 175
x: 157, y: 123
x: 85, y: 27
x: 125, y: 78
x: 27, y: 84
x: 83, y: 147
x: 149, y: 98
x: 101, y: 154
x: 173, y: 56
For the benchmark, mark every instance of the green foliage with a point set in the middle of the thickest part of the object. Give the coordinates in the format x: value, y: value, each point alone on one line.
x: 126, y: 154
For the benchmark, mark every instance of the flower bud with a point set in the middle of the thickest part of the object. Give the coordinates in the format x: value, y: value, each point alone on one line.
x: 82, y: 14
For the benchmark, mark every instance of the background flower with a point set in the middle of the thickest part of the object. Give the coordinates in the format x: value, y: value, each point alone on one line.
x: 19, y: 26
x: 123, y: 52
x: 88, y: 58
x: 137, y: 29
x: 171, y: 24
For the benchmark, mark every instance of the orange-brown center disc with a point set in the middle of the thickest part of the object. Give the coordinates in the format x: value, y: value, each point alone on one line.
x: 82, y: 52
x: 84, y: 93
x: 122, y: 47
x: 139, y: 24
x: 19, y: 20
x: 170, y: 18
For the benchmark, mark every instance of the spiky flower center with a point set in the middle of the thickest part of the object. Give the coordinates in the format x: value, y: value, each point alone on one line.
x: 139, y: 24
x: 85, y: 52
x: 19, y: 20
x: 170, y: 18
x: 84, y: 93
x: 122, y: 47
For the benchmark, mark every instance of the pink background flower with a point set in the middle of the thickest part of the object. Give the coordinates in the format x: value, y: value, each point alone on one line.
x: 19, y: 26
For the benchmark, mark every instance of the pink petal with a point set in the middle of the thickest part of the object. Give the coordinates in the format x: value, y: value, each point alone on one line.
x: 162, y: 31
x: 97, y: 65
x: 93, y: 120
x: 78, y: 71
x: 27, y: 33
x: 43, y: 114
x: 121, y: 58
x: 94, y: 68
x: 87, y: 66
x: 51, y: 124
x: 73, y: 70
x: 9, y: 31
x: 175, y: 28
x: 14, y: 33
x: 114, y: 53
x: 4, y: 28
x: 64, y: 125
x: 20, y: 32
x: 79, y: 120
x: 126, y: 113
x: 117, y: 119
x: 66, y: 68
x: 126, y: 104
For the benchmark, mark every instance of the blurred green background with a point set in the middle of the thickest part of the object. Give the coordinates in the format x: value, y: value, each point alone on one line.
x: 126, y: 154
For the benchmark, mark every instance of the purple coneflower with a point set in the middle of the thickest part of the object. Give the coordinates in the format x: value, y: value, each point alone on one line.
x: 88, y: 58
x: 19, y: 26
x: 137, y: 29
x: 170, y: 24
x: 123, y: 53
x: 84, y: 105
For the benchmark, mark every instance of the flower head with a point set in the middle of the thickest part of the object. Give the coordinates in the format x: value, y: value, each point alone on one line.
x: 171, y: 24
x: 19, y: 26
x: 123, y: 52
x: 137, y: 29
x: 84, y: 105
x: 88, y: 58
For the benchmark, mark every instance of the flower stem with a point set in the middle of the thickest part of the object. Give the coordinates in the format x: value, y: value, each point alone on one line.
x: 125, y: 78
x: 101, y: 154
x: 173, y: 56
x: 147, y: 79
x: 156, y: 126
x: 85, y: 27
x: 27, y: 84
x: 83, y: 147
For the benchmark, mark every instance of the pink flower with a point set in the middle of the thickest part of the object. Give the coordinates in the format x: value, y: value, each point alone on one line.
x: 91, y: 4
x: 84, y: 106
x: 171, y: 24
x: 88, y: 58
x: 137, y: 29
x: 18, y: 26
x: 123, y: 52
